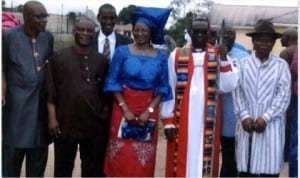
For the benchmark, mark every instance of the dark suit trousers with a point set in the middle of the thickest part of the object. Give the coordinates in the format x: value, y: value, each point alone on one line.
x: 228, y: 168
x: 65, y: 153
x: 36, y: 160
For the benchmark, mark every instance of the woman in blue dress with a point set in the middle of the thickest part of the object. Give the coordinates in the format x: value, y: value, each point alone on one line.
x: 138, y: 78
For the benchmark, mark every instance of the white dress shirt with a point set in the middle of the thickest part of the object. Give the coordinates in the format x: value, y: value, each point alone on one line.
x: 112, y: 42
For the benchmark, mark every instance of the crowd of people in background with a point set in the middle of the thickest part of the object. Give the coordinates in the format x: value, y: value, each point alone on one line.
x: 106, y: 92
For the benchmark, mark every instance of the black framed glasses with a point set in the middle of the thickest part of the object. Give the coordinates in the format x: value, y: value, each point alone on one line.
x: 268, y: 41
x: 201, y: 31
x: 40, y: 16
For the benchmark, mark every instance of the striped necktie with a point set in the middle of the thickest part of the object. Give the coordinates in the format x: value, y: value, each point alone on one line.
x: 106, y: 49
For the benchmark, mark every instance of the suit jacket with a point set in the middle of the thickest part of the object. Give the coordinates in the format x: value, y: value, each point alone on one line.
x: 120, y: 40
x: 108, y: 97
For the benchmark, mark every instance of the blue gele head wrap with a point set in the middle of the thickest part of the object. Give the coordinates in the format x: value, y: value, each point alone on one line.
x: 155, y: 18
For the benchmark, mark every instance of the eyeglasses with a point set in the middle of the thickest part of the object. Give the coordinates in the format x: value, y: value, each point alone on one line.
x: 201, y: 31
x: 40, y: 16
x: 264, y: 40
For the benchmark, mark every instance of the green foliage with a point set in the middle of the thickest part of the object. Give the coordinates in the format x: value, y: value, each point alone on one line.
x: 176, y: 31
x: 178, y: 6
x: 124, y: 16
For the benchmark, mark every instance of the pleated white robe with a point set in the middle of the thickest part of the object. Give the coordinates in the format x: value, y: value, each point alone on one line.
x: 228, y: 82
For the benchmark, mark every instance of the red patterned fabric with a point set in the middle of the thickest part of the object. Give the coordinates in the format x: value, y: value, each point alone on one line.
x: 177, y: 151
x: 128, y: 157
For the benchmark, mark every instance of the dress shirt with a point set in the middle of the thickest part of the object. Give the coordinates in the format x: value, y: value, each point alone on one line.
x: 112, y: 42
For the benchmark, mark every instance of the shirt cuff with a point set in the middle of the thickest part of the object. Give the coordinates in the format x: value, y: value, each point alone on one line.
x: 266, y: 117
x: 167, y: 121
x: 244, y: 115
x: 168, y: 126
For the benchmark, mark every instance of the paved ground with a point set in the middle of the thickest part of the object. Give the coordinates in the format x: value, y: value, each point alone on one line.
x: 159, y: 170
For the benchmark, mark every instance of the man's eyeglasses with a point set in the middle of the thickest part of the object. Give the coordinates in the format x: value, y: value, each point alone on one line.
x: 264, y: 40
x: 40, y: 16
x: 201, y: 31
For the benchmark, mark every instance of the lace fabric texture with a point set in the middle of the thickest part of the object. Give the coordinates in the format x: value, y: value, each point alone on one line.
x: 139, y: 133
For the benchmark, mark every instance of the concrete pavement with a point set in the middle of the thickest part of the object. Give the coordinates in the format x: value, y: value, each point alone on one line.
x: 159, y: 169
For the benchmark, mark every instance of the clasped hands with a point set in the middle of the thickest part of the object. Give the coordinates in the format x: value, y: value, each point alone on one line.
x: 132, y: 120
x: 258, y: 126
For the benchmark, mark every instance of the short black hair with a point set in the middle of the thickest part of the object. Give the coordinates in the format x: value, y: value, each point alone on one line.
x: 106, y: 6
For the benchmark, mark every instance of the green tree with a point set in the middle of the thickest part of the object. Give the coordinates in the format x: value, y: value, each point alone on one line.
x: 124, y: 16
x: 178, y: 8
x: 176, y: 31
x: 198, y: 7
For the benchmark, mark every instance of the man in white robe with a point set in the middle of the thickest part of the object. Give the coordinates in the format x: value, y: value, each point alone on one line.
x: 261, y: 100
x: 187, y: 159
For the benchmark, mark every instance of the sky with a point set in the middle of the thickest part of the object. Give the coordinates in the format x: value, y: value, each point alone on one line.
x: 65, y: 6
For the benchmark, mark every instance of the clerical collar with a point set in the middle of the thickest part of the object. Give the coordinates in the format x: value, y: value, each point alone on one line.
x: 197, y: 50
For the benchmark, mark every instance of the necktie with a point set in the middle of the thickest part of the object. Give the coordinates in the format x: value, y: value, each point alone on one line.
x: 106, y: 50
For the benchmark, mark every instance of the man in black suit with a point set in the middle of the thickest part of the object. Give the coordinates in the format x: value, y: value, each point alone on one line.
x: 107, y: 18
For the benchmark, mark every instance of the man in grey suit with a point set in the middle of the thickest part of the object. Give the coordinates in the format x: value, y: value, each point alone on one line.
x: 107, y: 18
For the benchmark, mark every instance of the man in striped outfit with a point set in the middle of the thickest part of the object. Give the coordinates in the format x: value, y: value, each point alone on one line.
x: 261, y: 100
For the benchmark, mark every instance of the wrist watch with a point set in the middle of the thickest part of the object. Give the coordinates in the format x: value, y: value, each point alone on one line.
x: 150, y: 109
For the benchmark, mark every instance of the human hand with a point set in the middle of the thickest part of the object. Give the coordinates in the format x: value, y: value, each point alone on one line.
x: 3, y: 97
x: 248, y: 124
x: 259, y: 125
x: 171, y: 134
x: 53, y: 128
x: 3, y: 101
x: 223, y: 50
x: 130, y: 118
x: 143, y: 118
